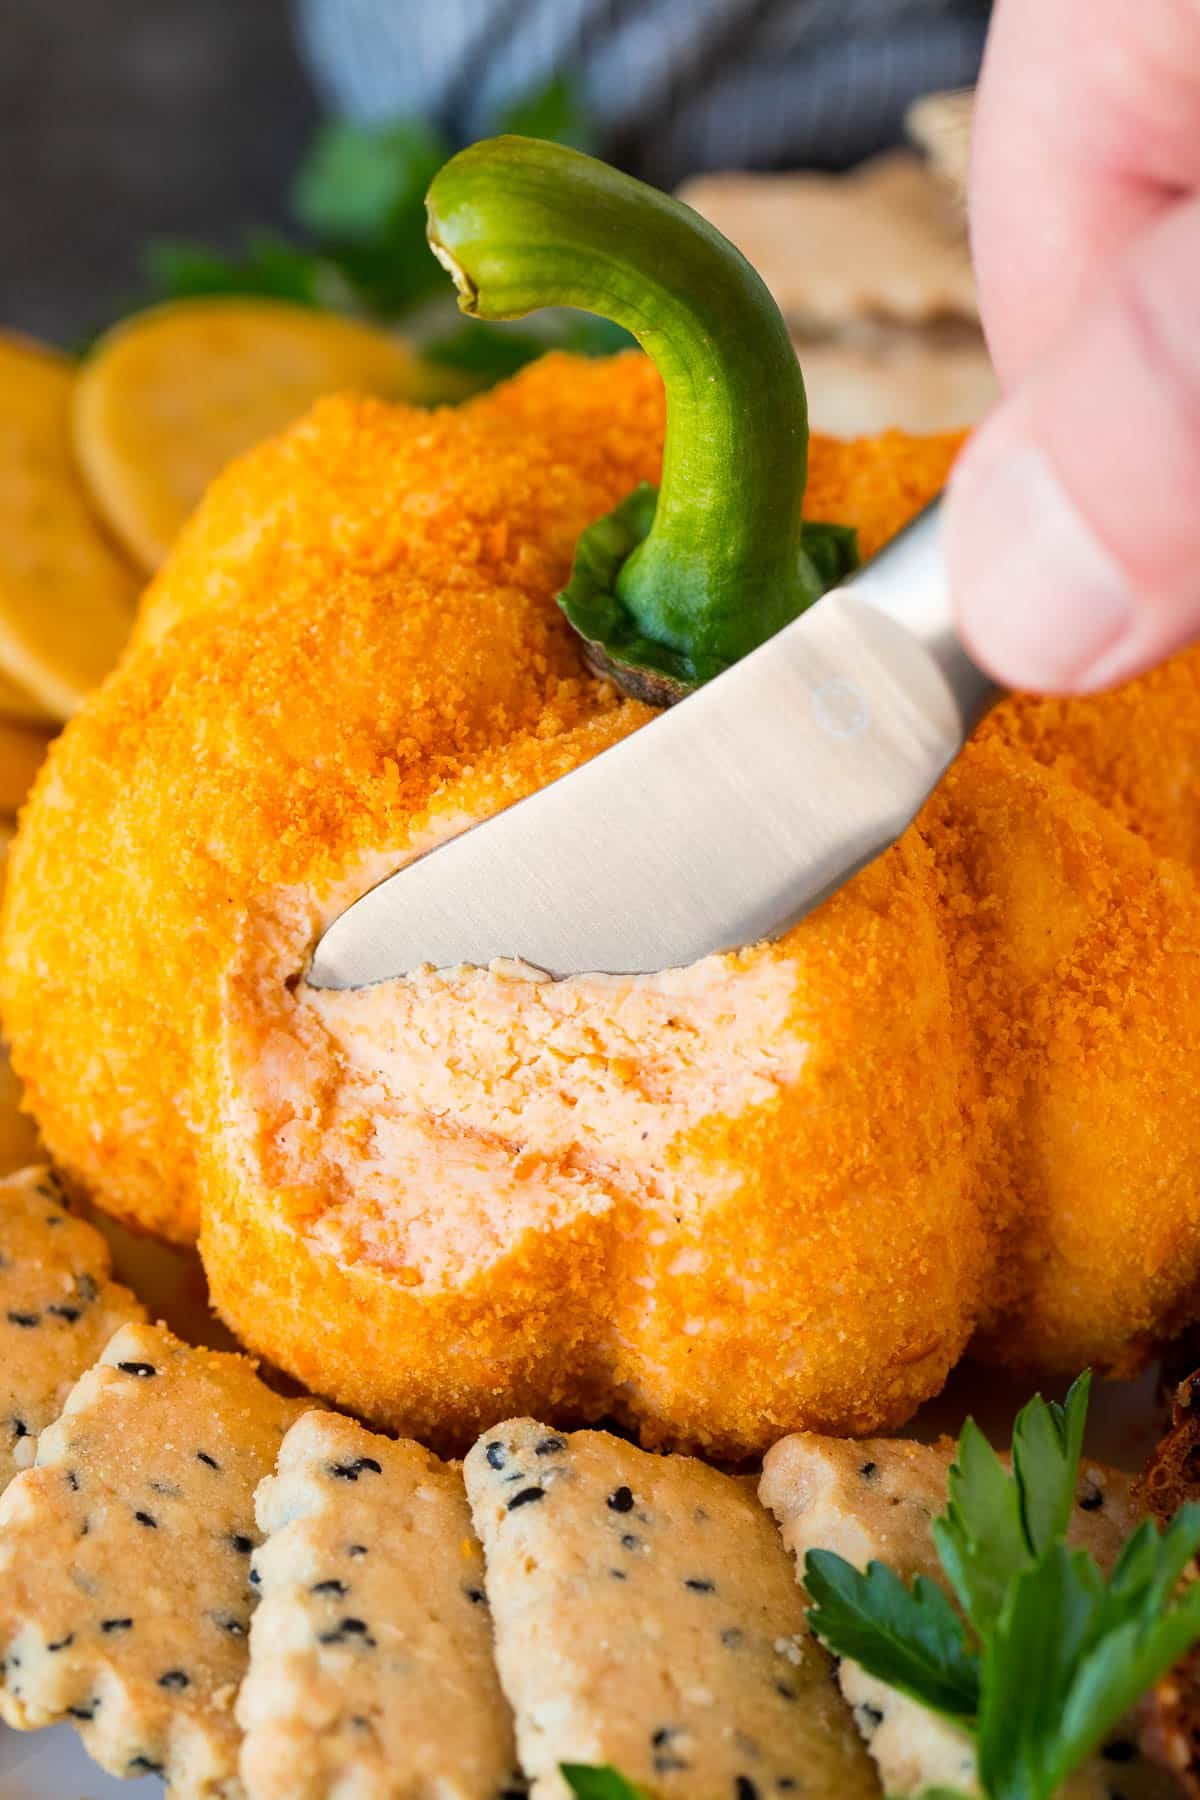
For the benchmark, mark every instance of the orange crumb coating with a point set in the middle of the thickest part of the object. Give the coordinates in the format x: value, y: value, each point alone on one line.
x: 780, y: 1190
x: 1066, y: 847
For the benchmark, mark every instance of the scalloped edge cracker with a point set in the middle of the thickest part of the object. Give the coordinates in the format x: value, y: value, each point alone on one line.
x: 125, y: 1560
x: 66, y: 597
x: 877, y: 243
x: 371, y: 1664
x: 941, y: 125
x: 871, y: 379
x: 646, y: 1616
x: 58, y: 1308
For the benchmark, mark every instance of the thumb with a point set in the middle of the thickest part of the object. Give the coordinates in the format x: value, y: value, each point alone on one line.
x: 1073, y: 519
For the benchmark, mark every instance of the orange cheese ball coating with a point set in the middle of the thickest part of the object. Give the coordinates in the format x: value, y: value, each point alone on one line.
x: 780, y: 1190
x: 1075, y: 947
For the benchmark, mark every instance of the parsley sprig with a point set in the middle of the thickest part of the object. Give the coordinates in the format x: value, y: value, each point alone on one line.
x: 599, y: 1782
x: 358, y: 199
x: 1046, y: 1656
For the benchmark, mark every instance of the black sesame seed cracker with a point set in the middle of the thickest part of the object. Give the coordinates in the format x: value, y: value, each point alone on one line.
x: 58, y: 1308
x: 370, y: 1558
x: 616, y: 1578
x: 108, y: 1554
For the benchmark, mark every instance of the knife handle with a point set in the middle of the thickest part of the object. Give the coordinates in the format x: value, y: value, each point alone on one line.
x: 907, y: 581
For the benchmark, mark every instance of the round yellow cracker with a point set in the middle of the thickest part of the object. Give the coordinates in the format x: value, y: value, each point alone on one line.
x: 17, y: 702
x: 22, y: 748
x: 19, y: 1144
x: 170, y: 396
x: 66, y: 596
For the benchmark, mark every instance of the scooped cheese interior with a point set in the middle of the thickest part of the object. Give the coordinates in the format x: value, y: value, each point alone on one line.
x: 461, y: 1108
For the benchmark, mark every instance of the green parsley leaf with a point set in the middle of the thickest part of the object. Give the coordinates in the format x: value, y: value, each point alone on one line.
x: 599, y: 1783
x: 910, y: 1638
x: 1046, y: 1623
x: 1046, y: 1447
x: 268, y: 267
x: 361, y: 192
x: 1072, y: 1654
x: 557, y: 111
x: 997, y: 1524
x: 1115, y: 1675
x: 937, y: 1793
x: 360, y: 183
x: 1063, y: 1655
x: 981, y: 1539
x: 493, y: 352
x: 1150, y: 1564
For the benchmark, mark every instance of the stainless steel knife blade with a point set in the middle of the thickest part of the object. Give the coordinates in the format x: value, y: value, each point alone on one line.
x: 721, y: 822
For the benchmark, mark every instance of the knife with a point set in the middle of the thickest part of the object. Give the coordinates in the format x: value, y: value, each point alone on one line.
x: 721, y: 822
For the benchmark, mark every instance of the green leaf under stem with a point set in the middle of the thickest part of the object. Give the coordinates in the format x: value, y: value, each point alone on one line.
x: 831, y: 552
x: 828, y: 553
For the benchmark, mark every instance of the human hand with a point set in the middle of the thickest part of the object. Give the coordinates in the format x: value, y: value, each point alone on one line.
x: 1073, y: 523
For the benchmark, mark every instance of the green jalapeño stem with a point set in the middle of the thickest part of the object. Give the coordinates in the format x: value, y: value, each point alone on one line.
x: 667, y: 591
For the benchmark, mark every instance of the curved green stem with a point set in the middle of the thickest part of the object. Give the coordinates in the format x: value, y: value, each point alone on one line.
x: 718, y: 566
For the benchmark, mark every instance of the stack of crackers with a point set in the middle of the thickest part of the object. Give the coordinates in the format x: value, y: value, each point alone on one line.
x: 872, y: 271
x: 102, y: 460
x: 257, y: 1598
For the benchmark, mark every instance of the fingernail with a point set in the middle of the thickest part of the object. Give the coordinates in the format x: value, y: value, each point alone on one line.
x: 1041, y: 603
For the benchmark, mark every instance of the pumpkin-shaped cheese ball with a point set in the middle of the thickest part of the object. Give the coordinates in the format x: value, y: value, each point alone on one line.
x: 782, y: 1188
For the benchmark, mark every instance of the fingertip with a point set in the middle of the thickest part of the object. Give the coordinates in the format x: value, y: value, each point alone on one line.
x: 1040, y: 602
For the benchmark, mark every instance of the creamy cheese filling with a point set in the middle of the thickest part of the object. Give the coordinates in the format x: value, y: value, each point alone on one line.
x: 424, y: 1124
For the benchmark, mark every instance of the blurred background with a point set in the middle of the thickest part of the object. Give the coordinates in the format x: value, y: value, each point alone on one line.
x: 145, y: 120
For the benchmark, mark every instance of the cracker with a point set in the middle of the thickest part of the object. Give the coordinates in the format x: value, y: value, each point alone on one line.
x: 66, y: 596
x: 17, y: 703
x: 19, y: 1145
x: 876, y: 1499
x: 125, y: 1573
x: 58, y: 1309
x: 22, y: 750
x: 874, y: 378
x: 171, y: 395
x: 941, y: 125
x: 371, y: 1666
x: 878, y: 243
x: 646, y: 1617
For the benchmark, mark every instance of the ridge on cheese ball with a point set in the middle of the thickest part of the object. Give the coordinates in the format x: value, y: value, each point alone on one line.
x: 1072, y: 916
x: 479, y: 1193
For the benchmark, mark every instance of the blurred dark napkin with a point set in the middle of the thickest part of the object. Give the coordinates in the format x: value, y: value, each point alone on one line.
x: 133, y: 120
